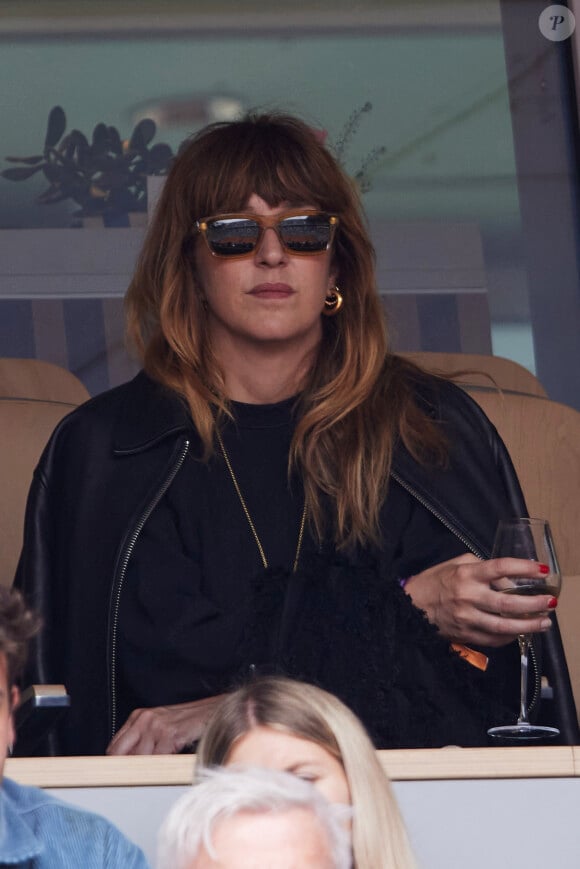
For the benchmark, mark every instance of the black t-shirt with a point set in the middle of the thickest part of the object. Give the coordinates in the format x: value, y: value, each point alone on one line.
x: 183, y: 607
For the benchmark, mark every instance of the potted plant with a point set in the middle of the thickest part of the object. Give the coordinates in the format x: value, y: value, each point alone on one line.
x: 106, y: 177
x: 363, y: 175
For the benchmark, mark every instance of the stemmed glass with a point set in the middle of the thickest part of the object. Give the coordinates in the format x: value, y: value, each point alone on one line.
x: 530, y: 539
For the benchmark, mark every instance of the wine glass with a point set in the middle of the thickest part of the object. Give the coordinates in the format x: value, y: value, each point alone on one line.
x: 530, y: 539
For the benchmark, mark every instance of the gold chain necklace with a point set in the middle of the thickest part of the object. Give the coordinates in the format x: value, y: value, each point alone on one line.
x: 249, y: 518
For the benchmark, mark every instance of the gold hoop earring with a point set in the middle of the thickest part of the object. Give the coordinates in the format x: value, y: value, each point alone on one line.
x: 333, y: 302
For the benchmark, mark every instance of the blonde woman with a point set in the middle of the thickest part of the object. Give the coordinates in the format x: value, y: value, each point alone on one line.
x: 282, y: 724
x: 275, y: 489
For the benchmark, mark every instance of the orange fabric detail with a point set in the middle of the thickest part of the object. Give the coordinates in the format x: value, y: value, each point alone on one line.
x: 476, y: 659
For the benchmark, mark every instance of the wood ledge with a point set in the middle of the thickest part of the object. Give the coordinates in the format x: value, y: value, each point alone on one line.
x: 402, y: 765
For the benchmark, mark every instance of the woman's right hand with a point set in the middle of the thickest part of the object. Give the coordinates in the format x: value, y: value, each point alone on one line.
x: 457, y: 596
x: 163, y: 729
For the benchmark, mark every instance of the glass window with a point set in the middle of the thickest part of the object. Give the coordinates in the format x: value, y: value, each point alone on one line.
x: 460, y: 115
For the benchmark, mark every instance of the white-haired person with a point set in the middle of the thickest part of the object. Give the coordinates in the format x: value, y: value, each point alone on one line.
x: 291, y: 726
x: 247, y: 818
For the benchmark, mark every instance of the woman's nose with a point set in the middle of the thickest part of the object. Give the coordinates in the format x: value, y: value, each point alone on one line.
x: 270, y: 249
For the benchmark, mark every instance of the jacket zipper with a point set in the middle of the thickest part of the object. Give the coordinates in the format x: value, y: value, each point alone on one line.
x: 476, y: 552
x: 437, y: 515
x: 116, y: 597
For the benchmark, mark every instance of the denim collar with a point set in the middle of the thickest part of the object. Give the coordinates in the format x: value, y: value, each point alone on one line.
x: 18, y: 844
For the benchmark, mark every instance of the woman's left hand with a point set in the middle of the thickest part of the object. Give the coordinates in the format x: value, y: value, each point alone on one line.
x: 163, y: 729
x: 457, y: 596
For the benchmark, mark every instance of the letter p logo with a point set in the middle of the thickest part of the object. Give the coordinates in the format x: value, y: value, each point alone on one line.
x: 557, y: 23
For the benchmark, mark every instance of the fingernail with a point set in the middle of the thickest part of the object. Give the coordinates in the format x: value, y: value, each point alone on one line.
x: 552, y: 603
x: 544, y: 568
x: 545, y: 624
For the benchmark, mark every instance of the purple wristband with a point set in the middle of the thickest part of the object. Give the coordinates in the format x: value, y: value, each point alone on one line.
x: 403, y: 581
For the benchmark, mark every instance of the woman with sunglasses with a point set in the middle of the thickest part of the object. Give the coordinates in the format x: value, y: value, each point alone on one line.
x: 276, y: 491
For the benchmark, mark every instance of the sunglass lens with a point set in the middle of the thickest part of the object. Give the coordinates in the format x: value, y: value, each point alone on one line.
x: 232, y: 236
x: 306, y: 234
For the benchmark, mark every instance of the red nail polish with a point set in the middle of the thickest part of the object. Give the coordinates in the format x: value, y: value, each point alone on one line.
x: 552, y: 603
x: 544, y: 568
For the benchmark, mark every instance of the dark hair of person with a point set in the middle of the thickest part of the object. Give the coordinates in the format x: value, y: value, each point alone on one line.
x: 18, y: 625
x: 358, y: 398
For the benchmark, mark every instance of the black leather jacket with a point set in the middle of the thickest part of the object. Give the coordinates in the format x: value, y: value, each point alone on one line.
x: 106, y: 467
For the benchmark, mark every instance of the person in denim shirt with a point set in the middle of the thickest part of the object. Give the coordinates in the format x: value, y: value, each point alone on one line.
x: 38, y: 831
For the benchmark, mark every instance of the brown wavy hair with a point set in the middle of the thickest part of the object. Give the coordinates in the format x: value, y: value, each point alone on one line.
x: 18, y: 625
x: 357, y: 398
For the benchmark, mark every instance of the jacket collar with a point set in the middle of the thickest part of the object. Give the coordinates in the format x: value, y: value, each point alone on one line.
x: 18, y: 844
x: 149, y: 413
x: 477, y: 463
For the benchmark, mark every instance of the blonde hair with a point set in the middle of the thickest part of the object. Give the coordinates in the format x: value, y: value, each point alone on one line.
x: 357, y: 399
x: 379, y: 835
